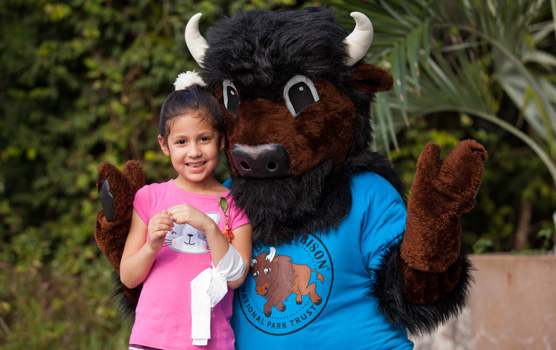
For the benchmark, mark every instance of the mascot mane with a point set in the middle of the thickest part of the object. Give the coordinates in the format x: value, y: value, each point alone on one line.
x: 259, y: 52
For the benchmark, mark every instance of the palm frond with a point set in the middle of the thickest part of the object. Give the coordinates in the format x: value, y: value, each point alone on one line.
x: 456, y: 55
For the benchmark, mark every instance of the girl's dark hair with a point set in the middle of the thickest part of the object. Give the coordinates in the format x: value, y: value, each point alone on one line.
x: 194, y: 99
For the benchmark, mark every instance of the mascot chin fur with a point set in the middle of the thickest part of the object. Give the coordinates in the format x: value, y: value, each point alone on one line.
x: 337, y: 258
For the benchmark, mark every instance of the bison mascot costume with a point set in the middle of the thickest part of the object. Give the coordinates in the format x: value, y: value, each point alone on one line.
x: 338, y: 260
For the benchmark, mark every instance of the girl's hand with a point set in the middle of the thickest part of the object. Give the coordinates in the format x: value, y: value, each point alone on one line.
x: 186, y: 214
x: 159, y: 225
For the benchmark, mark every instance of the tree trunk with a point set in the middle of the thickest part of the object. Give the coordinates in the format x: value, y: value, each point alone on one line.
x: 522, y: 231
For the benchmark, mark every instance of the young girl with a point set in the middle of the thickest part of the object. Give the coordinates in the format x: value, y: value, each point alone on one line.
x: 181, y: 228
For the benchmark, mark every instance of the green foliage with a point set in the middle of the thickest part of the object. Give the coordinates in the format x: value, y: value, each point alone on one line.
x: 466, y: 57
x: 513, y: 177
x: 81, y: 83
x: 44, y: 309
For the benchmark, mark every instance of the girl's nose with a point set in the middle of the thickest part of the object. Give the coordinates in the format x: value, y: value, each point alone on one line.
x: 194, y: 150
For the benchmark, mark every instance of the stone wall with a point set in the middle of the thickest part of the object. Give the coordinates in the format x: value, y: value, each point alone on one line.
x: 512, y: 305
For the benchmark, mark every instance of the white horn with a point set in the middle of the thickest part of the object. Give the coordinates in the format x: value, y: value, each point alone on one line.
x: 196, y: 44
x: 359, y: 41
x: 271, y: 255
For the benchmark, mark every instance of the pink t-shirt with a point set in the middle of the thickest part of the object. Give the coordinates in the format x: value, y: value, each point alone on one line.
x: 163, y: 314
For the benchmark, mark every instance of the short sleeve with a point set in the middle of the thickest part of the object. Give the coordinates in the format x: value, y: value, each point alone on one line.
x: 383, y: 222
x: 237, y: 216
x: 142, y: 203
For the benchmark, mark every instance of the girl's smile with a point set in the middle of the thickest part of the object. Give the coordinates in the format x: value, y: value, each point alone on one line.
x: 196, y: 165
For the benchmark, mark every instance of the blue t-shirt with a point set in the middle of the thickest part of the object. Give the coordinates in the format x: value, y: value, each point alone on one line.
x: 314, y: 291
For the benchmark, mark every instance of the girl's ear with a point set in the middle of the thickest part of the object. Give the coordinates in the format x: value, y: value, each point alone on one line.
x: 163, y: 145
x: 222, y: 142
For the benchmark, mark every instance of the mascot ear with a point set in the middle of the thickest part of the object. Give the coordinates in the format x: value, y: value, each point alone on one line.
x: 371, y: 79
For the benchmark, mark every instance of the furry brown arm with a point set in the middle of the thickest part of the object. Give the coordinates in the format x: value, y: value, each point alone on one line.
x: 443, y: 190
x: 117, y: 190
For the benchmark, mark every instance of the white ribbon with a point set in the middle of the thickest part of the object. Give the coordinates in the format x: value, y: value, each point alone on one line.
x: 208, y: 288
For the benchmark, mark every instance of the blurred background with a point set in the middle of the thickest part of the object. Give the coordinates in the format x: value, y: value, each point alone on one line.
x: 82, y: 82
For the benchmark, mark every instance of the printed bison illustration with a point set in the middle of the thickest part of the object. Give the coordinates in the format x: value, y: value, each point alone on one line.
x: 276, y: 278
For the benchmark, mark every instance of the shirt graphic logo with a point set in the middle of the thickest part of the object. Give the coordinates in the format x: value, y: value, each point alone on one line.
x: 184, y: 238
x: 288, y: 287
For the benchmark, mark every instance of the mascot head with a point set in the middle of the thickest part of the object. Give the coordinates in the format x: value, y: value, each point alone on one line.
x: 296, y: 97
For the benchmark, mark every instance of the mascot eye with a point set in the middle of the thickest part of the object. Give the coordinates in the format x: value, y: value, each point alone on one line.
x: 300, y: 93
x: 256, y: 274
x: 231, y: 97
x: 267, y: 270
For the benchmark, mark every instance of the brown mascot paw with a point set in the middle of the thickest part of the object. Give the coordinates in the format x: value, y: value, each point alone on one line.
x: 443, y: 190
x: 117, y: 190
x: 448, y: 187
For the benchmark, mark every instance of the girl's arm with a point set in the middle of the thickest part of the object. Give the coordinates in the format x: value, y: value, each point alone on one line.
x: 138, y: 256
x: 242, y: 243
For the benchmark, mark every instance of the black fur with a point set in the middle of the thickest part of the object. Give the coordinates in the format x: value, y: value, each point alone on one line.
x: 124, y: 306
x: 285, y: 208
x: 261, y: 51
x: 417, y: 319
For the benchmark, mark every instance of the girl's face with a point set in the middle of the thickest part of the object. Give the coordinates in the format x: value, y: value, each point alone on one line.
x: 193, y: 146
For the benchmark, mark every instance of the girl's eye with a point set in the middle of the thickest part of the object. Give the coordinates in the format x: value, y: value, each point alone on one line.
x: 180, y: 142
x: 204, y: 139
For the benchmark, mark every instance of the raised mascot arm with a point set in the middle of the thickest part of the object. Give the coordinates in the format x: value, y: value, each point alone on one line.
x: 443, y: 190
x: 117, y: 190
x: 425, y: 280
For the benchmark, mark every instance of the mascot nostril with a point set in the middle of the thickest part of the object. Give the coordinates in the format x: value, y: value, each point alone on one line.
x: 271, y: 166
x: 262, y: 161
x: 244, y: 165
